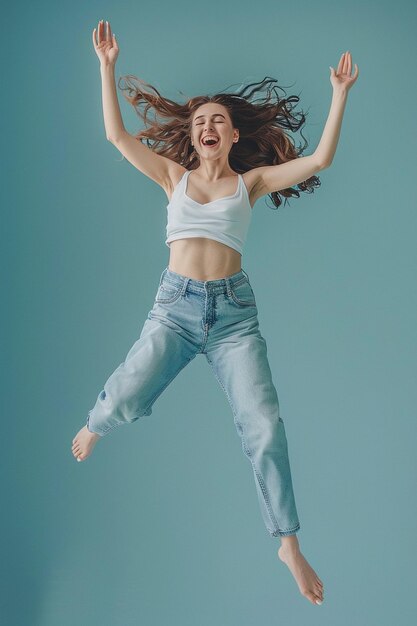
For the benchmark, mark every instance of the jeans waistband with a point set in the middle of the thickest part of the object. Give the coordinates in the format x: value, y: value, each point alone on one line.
x: 219, y: 285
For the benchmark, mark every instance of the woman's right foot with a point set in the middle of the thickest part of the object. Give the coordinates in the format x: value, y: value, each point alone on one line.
x: 306, y: 578
x: 83, y: 443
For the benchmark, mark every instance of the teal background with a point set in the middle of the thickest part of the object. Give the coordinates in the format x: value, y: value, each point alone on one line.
x: 161, y: 524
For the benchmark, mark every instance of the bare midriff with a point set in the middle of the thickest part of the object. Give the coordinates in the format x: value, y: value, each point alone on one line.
x: 203, y: 259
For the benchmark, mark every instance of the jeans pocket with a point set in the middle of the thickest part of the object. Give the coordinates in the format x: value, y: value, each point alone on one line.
x: 168, y: 292
x: 242, y: 293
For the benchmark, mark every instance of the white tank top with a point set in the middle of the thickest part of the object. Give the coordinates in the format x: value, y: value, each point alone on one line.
x: 226, y: 219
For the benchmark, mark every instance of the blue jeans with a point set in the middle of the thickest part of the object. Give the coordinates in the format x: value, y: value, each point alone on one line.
x: 217, y: 318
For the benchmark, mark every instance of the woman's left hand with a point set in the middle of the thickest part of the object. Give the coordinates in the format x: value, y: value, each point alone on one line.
x: 342, y: 78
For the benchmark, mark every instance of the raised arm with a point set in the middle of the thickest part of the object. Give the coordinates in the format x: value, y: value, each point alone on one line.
x: 341, y: 81
x: 107, y: 51
x: 155, y: 166
x: 276, y: 177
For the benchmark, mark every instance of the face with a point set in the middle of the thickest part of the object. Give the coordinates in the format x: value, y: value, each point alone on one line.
x: 213, y: 119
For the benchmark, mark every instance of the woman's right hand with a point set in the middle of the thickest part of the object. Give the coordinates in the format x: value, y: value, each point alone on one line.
x: 106, y: 46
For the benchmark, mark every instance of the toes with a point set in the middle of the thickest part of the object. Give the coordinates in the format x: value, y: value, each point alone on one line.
x: 311, y: 596
x: 315, y: 598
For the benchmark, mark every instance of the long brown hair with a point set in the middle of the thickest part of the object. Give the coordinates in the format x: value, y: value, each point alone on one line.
x: 263, y: 139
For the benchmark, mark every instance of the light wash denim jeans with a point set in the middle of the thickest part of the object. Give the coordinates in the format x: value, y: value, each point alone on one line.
x: 217, y: 318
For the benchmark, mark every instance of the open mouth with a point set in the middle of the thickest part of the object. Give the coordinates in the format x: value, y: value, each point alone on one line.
x: 211, y: 142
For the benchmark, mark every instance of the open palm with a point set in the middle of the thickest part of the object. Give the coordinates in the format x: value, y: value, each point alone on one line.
x: 106, y: 46
x: 342, y: 78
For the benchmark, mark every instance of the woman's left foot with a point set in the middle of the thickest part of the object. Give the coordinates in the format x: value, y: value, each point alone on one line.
x: 306, y: 578
x: 83, y: 443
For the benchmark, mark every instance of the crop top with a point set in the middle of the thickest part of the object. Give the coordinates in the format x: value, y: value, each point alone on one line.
x: 225, y: 219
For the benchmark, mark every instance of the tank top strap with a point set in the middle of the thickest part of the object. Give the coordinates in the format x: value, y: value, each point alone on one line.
x: 184, y: 179
x: 180, y: 186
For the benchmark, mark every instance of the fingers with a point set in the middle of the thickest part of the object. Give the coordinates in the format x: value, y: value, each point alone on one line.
x: 103, y: 33
x: 102, y: 37
x: 340, y: 66
x: 100, y: 33
x: 345, y: 64
x: 111, y: 36
x: 96, y: 36
x: 96, y: 32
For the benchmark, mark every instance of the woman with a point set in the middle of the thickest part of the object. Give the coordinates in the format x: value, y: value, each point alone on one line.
x: 205, y: 302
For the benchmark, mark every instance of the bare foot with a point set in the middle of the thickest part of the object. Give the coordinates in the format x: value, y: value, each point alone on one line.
x: 83, y: 443
x: 306, y: 578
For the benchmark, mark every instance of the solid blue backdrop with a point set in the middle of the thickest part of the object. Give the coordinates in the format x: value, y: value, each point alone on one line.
x: 108, y: 542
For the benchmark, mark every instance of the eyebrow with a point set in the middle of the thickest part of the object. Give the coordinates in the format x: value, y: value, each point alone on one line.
x: 214, y: 115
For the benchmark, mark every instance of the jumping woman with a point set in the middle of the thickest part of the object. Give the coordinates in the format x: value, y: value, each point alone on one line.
x: 219, y: 155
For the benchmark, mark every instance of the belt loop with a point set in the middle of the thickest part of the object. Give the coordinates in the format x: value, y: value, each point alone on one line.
x: 229, y: 289
x: 184, y: 287
x: 245, y: 274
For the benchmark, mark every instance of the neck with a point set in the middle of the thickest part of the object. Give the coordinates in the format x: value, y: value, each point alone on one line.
x: 213, y: 170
